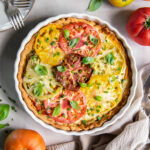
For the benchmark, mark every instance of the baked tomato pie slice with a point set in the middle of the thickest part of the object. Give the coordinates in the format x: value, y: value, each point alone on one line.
x: 80, y: 38
x: 67, y: 107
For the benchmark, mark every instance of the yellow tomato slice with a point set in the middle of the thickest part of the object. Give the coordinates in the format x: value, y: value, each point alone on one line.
x: 102, y: 95
x: 46, y: 45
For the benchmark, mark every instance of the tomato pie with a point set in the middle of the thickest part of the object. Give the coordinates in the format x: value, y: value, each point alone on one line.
x: 74, y: 74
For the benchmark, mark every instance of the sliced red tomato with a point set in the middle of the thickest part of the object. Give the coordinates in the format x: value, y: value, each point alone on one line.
x: 80, y: 38
x: 69, y: 106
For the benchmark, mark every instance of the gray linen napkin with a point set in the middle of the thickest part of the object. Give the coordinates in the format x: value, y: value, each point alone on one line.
x: 129, y: 133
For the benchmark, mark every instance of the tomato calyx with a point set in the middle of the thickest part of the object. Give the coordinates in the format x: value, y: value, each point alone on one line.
x: 147, y: 23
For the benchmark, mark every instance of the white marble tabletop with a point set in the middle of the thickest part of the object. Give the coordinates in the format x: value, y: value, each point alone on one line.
x: 10, y: 41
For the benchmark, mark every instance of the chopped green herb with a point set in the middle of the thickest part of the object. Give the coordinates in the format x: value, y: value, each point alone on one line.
x: 41, y: 70
x: 74, y: 42
x: 61, y: 68
x: 102, y: 48
x: 38, y: 90
x: 105, y: 115
x: 110, y: 58
x: 63, y: 96
x: 68, y: 109
x: 79, y: 27
x: 53, y: 42
x: 94, y: 40
x: 119, y: 68
x: 50, y: 29
x: 39, y: 42
x: 56, y: 54
x: 47, y: 39
x: 12, y: 100
x: 97, y: 110
x: 40, y: 111
x: 91, y: 109
x: 105, y: 91
x: 13, y: 108
x: 84, y: 122
x: 98, y: 98
x: 35, y: 58
x: 122, y: 80
x: 76, y: 50
x: 83, y: 85
x: 66, y: 34
x: 57, y: 111
x: 64, y: 115
x: 86, y: 43
x: 98, y: 118
x: 4, y: 90
x: 87, y: 60
x: 112, y: 78
x: 74, y: 105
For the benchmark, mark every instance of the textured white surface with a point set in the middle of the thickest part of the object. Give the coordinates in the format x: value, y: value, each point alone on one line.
x: 10, y: 42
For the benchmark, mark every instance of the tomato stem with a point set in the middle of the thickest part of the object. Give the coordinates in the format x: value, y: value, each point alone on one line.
x: 147, y: 23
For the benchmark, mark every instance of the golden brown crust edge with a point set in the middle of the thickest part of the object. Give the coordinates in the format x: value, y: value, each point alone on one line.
x: 74, y: 127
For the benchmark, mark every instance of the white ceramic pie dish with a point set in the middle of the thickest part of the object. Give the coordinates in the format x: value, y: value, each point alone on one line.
x: 130, y: 55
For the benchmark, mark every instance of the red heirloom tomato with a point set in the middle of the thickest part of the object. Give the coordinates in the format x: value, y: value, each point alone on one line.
x: 67, y: 107
x: 138, y: 26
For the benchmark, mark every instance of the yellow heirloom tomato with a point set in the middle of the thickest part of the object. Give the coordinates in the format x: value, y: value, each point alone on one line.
x: 120, y: 3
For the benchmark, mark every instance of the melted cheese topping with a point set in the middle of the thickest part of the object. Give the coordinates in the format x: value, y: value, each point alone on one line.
x: 106, y: 86
x: 102, y: 95
x: 49, y: 86
x: 46, y: 45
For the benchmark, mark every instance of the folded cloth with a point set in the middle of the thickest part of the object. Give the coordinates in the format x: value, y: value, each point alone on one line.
x: 130, y: 132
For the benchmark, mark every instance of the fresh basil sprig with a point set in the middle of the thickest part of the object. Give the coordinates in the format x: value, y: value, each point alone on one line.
x: 87, y: 60
x: 41, y: 70
x: 74, y: 105
x: 74, y: 42
x: 66, y: 34
x: 38, y: 90
x: 94, y: 5
x: 94, y: 40
x: 57, y: 111
x: 4, y: 111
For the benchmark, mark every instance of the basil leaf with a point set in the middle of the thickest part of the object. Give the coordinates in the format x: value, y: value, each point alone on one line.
x: 38, y: 90
x: 74, y: 42
x: 57, y: 111
x: 94, y: 5
x: 110, y: 58
x: 94, y: 40
x: 41, y: 70
x: 66, y: 34
x: 74, y: 105
x: 83, y: 85
x: 61, y: 68
x: 87, y: 60
x: 3, y: 125
x: 4, y: 111
x: 98, y: 98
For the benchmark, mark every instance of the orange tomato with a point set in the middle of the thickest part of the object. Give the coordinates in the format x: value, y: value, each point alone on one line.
x: 24, y: 139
